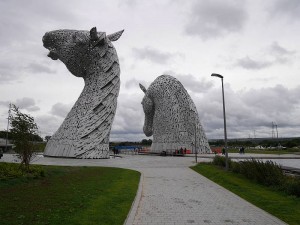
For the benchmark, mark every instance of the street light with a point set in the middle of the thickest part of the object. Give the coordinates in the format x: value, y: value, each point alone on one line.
x: 224, y: 116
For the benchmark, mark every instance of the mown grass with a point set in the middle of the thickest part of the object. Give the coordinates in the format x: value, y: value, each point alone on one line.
x: 284, y: 207
x: 69, y: 195
x: 267, y: 151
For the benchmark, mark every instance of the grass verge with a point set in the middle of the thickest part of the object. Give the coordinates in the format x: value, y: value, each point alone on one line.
x: 284, y: 207
x: 69, y: 195
x: 267, y: 151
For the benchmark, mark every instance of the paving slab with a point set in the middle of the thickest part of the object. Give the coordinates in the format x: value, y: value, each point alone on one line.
x: 171, y: 193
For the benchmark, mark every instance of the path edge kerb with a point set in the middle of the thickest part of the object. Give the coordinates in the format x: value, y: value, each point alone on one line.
x: 135, y: 204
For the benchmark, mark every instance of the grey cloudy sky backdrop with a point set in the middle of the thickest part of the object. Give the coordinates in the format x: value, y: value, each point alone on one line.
x: 254, y: 44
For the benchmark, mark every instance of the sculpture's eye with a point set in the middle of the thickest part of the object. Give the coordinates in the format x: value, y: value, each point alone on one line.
x: 79, y: 39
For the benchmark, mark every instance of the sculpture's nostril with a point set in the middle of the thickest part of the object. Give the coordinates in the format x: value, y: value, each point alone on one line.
x: 53, y: 55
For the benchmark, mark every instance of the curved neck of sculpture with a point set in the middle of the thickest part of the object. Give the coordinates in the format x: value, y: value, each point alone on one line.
x: 149, y: 111
x: 148, y: 125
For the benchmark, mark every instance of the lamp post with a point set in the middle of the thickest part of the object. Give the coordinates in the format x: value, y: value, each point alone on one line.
x: 224, y: 116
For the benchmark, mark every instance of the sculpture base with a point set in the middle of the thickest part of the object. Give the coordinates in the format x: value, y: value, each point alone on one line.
x: 57, y: 149
x: 158, y: 147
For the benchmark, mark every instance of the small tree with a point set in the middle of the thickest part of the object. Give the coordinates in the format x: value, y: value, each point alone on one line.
x: 23, y: 128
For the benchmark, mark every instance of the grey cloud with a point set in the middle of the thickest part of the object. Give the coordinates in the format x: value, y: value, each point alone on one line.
x: 279, y: 50
x: 274, y: 101
x: 27, y: 103
x: 276, y: 53
x: 19, y: 23
x: 22, y: 30
x: 60, y: 109
x: 152, y: 55
x: 250, y: 64
x: 4, y: 103
x: 289, y: 9
x: 33, y: 108
x: 7, y: 72
x: 250, y: 110
x: 128, y: 137
x: 213, y: 19
x: 191, y: 83
x: 129, y: 115
x: 134, y: 83
x: 48, y: 124
x: 281, y: 55
x: 128, y: 3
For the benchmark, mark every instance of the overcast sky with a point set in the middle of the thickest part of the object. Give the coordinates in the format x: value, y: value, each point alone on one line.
x: 254, y: 44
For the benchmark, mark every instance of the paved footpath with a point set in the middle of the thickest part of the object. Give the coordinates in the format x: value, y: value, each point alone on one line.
x: 171, y: 193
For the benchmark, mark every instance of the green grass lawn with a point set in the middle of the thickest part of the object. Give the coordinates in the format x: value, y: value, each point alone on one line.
x: 284, y: 207
x: 69, y: 195
x: 273, y: 151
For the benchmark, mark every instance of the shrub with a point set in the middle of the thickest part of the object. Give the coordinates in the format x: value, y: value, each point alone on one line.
x: 12, y: 170
x: 267, y: 173
x: 291, y: 186
x: 221, y: 161
x: 235, y: 167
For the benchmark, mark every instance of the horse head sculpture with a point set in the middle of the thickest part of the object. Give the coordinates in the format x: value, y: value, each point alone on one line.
x: 90, y: 55
x: 171, y: 117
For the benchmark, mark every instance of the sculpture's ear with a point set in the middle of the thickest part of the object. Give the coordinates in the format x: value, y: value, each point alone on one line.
x: 115, y: 36
x: 96, y: 38
x: 93, y: 34
x: 143, y: 88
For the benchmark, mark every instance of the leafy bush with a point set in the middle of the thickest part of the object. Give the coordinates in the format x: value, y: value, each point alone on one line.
x: 9, y: 170
x: 12, y: 170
